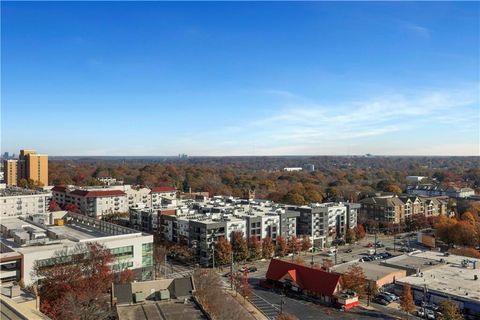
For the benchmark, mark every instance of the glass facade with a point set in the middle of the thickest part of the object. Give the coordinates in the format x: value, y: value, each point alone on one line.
x: 122, y: 252
x: 121, y: 266
x: 147, y: 254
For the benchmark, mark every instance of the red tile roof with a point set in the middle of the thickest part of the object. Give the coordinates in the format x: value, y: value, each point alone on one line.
x: 163, y: 189
x: 98, y: 193
x: 313, y: 280
x: 59, y: 188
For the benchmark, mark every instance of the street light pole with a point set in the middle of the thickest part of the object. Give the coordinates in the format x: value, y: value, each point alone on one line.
x: 213, y: 256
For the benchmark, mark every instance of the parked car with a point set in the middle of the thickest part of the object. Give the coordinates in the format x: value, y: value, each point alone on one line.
x: 381, y: 301
x: 432, y: 306
x: 430, y: 314
x: 420, y: 313
x: 252, y: 269
x: 348, y: 250
x: 393, y: 296
x: 385, y: 297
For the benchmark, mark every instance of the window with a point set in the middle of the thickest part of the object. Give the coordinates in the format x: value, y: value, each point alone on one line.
x: 147, y: 254
x: 122, y: 252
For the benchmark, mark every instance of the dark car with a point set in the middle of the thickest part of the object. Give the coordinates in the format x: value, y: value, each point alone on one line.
x: 252, y: 269
x: 348, y: 250
x: 385, y: 297
x: 381, y: 301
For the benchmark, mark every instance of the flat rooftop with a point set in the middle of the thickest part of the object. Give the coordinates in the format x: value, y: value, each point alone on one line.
x: 174, y: 310
x: 73, y: 232
x: 372, y: 271
x: 435, y: 255
x: 411, y: 261
x: 451, y: 279
x: 10, y: 192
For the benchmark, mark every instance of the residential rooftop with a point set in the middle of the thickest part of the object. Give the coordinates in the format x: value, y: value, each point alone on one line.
x: 15, y: 191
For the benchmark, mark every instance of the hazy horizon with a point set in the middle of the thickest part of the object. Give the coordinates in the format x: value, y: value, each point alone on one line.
x: 241, y: 79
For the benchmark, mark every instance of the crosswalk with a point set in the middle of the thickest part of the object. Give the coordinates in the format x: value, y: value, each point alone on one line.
x: 271, y: 311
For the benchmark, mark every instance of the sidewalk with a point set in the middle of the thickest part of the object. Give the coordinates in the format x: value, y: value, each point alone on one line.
x: 248, y: 306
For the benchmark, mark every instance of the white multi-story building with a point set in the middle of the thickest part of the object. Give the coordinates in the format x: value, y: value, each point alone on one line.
x: 94, y: 202
x: 17, y: 202
x: 40, y: 243
x: 324, y: 222
x: 99, y: 201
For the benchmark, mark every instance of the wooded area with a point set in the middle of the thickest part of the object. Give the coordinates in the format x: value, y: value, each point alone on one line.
x: 334, y: 178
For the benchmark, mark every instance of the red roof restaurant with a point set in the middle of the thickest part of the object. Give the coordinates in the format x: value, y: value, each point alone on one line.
x: 312, y: 282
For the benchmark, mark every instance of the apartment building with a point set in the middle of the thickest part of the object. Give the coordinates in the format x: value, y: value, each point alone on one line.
x: 431, y: 190
x: 94, y: 202
x: 163, y: 196
x: 38, y: 242
x: 30, y: 165
x: 398, y: 209
x: 324, y: 222
x: 18, y: 202
x: 10, y: 172
x: 288, y: 223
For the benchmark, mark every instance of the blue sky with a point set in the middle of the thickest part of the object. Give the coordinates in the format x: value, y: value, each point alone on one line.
x: 151, y: 78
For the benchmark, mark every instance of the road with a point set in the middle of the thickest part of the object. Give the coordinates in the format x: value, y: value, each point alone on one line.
x: 270, y: 303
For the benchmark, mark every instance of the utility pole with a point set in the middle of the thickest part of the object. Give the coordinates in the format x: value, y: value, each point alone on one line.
x: 375, y: 244
x: 231, y: 269
x: 165, y: 265
x: 282, y: 302
x: 336, y: 249
x: 213, y: 256
x: 394, y: 239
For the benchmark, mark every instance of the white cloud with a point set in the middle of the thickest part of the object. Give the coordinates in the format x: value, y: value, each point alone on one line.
x: 304, y: 127
x: 417, y: 30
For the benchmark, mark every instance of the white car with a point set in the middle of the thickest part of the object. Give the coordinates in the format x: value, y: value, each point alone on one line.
x: 430, y: 314
x: 420, y: 313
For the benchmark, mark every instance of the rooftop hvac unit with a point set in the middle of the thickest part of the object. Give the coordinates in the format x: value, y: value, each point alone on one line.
x: 138, y: 297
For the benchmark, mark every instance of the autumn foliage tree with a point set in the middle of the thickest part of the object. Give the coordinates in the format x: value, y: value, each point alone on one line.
x: 254, y: 248
x: 239, y: 246
x: 209, y: 293
x: 281, y: 248
x: 125, y: 276
x: 223, y: 250
x: 294, y: 245
x: 81, y: 275
x: 268, y: 248
x: 359, y: 232
x: 350, y: 236
x: 449, y: 311
x: 354, y: 279
x: 53, y: 206
x: 306, y: 242
x: 71, y: 208
x: 407, y: 304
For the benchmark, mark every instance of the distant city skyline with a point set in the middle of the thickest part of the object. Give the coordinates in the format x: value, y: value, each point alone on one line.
x: 231, y: 79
